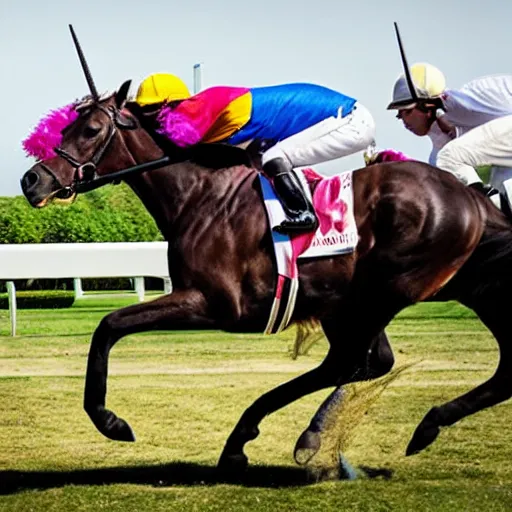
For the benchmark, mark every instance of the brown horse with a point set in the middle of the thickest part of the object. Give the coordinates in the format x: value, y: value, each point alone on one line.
x: 422, y: 235
x: 419, y: 229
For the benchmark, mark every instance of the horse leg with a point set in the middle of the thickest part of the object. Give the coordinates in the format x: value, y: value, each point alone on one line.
x: 372, y: 364
x: 380, y: 359
x: 338, y: 367
x: 497, y: 389
x: 233, y: 457
x: 179, y: 310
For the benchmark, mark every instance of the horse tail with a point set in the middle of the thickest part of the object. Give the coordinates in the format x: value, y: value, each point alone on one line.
x: 308, y: 333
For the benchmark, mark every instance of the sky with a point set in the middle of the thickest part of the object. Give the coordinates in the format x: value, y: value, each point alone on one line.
x: 349, y: 46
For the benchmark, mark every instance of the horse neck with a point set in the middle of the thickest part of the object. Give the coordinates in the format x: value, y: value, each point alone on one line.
x: 167, y: 192
x: 161, y: 191
x: 171, y: 193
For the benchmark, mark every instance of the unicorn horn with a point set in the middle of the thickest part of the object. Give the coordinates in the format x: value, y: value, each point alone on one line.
x: 408, y: 77
x: 85, y: 67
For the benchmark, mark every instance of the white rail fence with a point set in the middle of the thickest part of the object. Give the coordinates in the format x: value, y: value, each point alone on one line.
x: 88, y: 260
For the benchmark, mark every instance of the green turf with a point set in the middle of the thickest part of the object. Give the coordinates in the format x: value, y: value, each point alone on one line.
x: 183, y: 393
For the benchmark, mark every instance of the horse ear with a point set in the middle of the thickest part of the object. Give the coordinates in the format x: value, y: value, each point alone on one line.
x: 122, y: 94
x: 124, y: 121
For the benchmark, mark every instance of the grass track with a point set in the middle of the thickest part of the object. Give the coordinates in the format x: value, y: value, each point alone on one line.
x: 183, y: 393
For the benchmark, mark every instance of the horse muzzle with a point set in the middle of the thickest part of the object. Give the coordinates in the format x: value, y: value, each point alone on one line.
x: 40, y: 186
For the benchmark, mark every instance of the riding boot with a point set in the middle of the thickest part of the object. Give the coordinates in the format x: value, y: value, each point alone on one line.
x: 300, y: 212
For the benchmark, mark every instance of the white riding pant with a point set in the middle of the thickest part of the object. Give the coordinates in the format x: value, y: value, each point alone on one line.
x: 487, y: 144
x: 331, y: 138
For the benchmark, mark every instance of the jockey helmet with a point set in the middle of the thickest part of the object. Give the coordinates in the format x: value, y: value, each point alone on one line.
x: 160, y: 87
x: 429, y: 82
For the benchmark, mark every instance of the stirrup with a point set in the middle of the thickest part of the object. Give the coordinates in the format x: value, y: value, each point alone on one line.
x: 302, y: 223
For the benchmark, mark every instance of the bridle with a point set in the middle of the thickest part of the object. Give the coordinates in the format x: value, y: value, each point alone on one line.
x: 85, y: 172
x: 89, y: 167
x: 85, y: 176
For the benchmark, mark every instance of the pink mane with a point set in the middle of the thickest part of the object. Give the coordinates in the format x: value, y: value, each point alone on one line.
x: 47, y: 134
x: 390, y: 155
x: 176, y: 127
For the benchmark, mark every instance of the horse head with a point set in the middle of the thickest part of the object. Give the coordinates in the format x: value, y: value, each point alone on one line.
x: 101, y: 139
x: 78, y: 146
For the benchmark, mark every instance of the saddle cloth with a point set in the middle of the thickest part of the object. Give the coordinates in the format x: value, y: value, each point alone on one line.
x: 336, y: 234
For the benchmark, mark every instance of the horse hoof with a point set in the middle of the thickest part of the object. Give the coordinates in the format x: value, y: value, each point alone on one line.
x: 113, y: 427
x: 233, y: 464
x: 422, y: 437
x: 123, y: 432
x: 306, y: 447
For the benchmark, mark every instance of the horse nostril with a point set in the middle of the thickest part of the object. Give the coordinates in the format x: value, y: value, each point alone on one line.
x: 30, y: 179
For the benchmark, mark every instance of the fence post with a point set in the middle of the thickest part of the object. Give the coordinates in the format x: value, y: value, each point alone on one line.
x: 198, y: 78
x: 11, y: 293
x: 139, y: 288
x: 167, y: 285
x: 77, y: 286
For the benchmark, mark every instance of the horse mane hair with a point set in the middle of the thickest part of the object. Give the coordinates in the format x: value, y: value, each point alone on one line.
x: 47, y: 134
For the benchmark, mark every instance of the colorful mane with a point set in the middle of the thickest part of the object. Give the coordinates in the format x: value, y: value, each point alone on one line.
x: 386, y: 155
x: 176, y: 127
x: 47, y: 135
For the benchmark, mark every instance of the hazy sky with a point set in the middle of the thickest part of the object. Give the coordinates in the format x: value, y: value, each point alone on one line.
x: 349, y: 46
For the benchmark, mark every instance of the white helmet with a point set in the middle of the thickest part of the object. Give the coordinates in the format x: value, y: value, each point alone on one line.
x: 429, y: 83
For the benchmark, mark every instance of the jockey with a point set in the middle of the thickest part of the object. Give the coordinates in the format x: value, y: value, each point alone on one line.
x: 468, y: 127
x: 300, y: 124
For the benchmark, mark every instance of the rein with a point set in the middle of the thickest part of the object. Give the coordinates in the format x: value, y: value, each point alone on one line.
x: 86, y: 186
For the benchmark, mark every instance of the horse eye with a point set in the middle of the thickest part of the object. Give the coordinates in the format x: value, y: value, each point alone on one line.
x: 91, y: 131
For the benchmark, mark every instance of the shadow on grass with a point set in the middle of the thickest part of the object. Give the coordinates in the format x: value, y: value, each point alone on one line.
x: 182, y: 474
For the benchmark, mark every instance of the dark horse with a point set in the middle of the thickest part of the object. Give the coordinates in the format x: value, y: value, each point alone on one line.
x: 422, y: 234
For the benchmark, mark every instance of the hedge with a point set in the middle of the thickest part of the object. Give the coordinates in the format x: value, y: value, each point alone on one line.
x: 51, y: 299
x: 109, y: 214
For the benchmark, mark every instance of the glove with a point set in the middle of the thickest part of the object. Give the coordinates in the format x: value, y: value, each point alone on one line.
x: 371, y: 154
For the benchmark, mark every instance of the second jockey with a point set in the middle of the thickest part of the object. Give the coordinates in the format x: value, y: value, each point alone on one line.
x: 469, y: 127
x: 301, y: 124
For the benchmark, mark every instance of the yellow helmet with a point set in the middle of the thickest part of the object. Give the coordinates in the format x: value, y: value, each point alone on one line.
x: 429, y: 83
x: 160, y: 87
